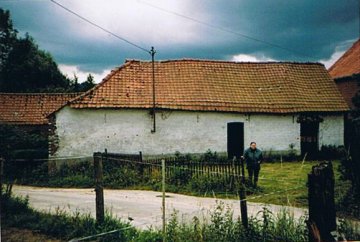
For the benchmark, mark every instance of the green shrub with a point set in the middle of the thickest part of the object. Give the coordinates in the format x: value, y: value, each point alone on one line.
x: 179, y: 177
x: 221, y: 226
x: 213, y: 157
x: 62, y: 225
x: 332, y: 152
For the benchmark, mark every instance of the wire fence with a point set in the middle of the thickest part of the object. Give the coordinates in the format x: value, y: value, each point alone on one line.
x: 129, y: 170
x: 207, y: 179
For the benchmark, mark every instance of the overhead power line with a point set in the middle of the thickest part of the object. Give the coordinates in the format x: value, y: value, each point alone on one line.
x: 100, y: 27
x: 224, y: 29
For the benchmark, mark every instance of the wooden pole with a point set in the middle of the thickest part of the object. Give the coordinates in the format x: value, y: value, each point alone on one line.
x: 322, y: 214
x: 243, y: 206
x: 141, y: 165
x: 1, y: 179
x: 163, y: 200
x: 1, y: 171
x: 99, y: 200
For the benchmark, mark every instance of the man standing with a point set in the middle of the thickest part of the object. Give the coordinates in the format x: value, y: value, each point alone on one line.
x: 253, y: 158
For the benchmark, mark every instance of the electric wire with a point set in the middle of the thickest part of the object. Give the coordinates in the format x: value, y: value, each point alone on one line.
x: 226, y: 30
x: 99, y: 27
x: 213, y: 26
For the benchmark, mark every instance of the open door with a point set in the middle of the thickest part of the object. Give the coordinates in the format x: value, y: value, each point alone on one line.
x: 309, y: 132
x: 235, y: 139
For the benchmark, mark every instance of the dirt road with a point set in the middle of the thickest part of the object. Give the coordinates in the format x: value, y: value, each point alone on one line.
x: 143, y: 207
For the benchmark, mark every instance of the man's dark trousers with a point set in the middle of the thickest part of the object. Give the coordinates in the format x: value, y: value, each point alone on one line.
x: 254, y: 171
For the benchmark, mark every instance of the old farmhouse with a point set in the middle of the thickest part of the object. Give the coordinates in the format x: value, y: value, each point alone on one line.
x: 201, y: 105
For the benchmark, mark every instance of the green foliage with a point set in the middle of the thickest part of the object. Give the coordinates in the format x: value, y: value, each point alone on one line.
x: 289, y: 155
x: 348, y: 229
x: 213, y: 157
x: 204, y: 184
x: 17, y: 213
x: 332, y: 152
x: 7, y: 36
x: 29, y: 69
x: 26, y: 68
x: 350, y: 170
x: 179, y: 177
x: 222, y: 226
x: 181, y: 157
x: 16, y: 142
x: 88, y: 84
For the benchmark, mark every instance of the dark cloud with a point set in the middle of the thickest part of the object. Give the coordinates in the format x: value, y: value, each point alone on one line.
x: 312, y: 30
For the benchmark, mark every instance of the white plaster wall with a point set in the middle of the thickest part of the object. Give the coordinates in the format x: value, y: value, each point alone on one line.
x: 84, y: 131
x: 331, y: 130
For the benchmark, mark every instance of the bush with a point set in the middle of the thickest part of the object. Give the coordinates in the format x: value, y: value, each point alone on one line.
x: 221, y: 226
x: 213, y: 157
x: 203, y: 184
x: 332, y: 152
x: 17, y: 213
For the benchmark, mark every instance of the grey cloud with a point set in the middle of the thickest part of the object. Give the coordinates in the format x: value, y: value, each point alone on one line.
x: 314, y: 28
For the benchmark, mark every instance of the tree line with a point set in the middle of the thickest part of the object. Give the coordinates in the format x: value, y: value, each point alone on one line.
x: 26, y: 68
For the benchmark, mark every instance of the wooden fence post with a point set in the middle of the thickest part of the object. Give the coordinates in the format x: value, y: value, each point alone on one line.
x: 163, y: 199
x: 98, y: 170
x: 141, y: 165
x: 322, y: 214
x: 243, y: 206
x: 1, y: 173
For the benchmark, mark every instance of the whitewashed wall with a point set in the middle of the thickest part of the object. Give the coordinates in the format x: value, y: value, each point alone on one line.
x: 331, y: 130
x: 84, y: 131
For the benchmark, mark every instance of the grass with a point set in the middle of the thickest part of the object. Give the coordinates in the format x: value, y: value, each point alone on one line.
x: 289, y: 182
x: 279, y: 183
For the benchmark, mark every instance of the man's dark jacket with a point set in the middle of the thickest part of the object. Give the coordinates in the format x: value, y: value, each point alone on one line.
x: 253, y: 158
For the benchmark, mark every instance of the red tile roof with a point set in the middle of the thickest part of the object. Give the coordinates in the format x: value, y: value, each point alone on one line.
x: 348, y: 64
x: 31, y: 108
x: 206, y: 85
x: 348, y: 88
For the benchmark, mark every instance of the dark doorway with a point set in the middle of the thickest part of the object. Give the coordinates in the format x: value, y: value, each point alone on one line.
x: 309, y: 132
x: 235, y: 139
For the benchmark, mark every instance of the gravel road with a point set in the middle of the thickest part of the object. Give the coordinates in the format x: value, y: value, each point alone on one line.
x: 143, y: 207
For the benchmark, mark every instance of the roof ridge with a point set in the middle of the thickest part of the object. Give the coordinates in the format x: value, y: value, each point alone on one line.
x: 348, y: 63
x: 104, y: 80
x: 130, y: 87
x: 346, y: 54
x: 224, y: 61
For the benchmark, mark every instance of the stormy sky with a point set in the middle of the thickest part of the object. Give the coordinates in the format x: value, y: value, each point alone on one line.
x: 238, y: 30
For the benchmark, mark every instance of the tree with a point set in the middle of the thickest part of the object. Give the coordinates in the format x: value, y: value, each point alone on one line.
x: 74, y: 84
x: 350, y: 166
x: 7, y: 36
x: 16, y: 141
x: 23, y: 66
x: 88, y: 84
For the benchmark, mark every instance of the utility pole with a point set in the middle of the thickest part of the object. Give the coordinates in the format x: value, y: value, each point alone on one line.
x: 152, y: 53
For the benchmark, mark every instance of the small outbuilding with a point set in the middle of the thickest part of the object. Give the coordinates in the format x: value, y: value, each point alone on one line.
x: 28, y: 113
x: 346, y: 74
